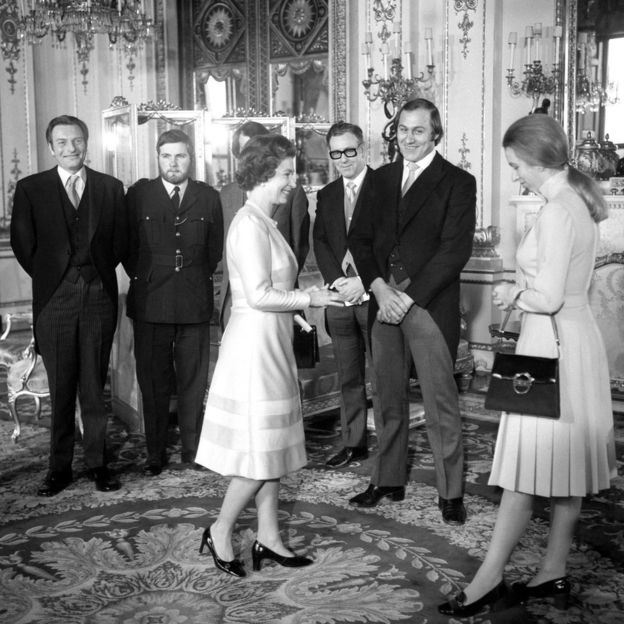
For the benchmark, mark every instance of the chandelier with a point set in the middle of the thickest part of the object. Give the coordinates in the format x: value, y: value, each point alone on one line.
x: 123, y: 21
x: 535, y: 82
x: 591, y: 93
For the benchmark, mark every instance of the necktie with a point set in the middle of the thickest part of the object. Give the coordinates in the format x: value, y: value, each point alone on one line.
x: 349, y: 203
x: 175, y: 198
x: 72, y: 193
x: 412, y: 168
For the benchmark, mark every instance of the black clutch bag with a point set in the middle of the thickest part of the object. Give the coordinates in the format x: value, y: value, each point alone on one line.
x: 525, y: 384
x: 305, y: 345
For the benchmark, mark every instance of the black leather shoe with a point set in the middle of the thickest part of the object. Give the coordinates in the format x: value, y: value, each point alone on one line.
x: 453, y: 510
x: 347, y: 455
x: 260, y: 552
x: 104, y: 480
x: 374, y: 494
x: 152, y: 470
x: 233, y: 567
x: 54, y: 483
x: 558, y: 589
x: 495, y: 598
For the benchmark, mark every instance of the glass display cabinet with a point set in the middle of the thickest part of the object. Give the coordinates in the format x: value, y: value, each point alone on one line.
x: 130, y: 135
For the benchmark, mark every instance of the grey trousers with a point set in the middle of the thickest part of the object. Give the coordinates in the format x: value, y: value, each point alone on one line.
x: 393, y: 347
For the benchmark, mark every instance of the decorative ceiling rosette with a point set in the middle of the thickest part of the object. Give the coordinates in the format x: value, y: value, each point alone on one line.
x: 298, y: 27
x: 219, y: 27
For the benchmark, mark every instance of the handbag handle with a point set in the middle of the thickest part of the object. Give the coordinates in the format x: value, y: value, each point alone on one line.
x: 552, y: 320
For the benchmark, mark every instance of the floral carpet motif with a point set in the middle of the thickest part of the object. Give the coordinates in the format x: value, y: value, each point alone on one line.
x: 132, y: 555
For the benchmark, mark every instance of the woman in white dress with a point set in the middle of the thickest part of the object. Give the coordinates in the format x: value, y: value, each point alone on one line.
x: 567, y: 458
x: 253, y: 429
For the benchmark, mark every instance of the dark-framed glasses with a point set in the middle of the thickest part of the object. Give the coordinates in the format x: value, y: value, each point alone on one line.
x: 350, y: 152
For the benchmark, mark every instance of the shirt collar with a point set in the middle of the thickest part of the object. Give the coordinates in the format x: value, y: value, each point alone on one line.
x: 423, y: 163
x: 357, y: 181
x: 169, y: 187
x: 65, y: 175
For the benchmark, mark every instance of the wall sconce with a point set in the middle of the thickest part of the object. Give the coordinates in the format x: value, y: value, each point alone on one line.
x: 591, y: 94
x: 398, y: 84
x: 535, y: 81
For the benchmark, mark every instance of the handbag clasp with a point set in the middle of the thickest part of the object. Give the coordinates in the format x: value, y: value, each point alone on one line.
x: 522, y: 382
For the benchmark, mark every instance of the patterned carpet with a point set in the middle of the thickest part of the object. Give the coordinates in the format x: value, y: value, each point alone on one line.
x: 132, y: 555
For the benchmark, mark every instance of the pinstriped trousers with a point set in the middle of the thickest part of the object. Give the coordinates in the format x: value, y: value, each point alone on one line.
x: 74, y: 336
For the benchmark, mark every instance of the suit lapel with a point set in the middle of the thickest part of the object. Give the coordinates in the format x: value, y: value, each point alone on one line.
x: 420, y: 191
x: 364, y: 188
x: 94, y: 196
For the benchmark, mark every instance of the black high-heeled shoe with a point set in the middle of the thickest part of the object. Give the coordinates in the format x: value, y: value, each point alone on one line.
x: 233, y: 567
x: 456, y: 606
x: 557, y: 589
x: 260, y: 552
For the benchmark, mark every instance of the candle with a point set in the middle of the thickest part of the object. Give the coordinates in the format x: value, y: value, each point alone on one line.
x: 408, y: 64
x: 396, y: 27
x: 537, y: 29
x: 512, y: 50
x: 528, y: 42
x: 558, y: 32
x: 368, y: 37
x: 366, y: 53
x: 537, y: 48
x: 428, y: 33
x: 385, y: 53
x: 429, y: 42
x: 513, y: 38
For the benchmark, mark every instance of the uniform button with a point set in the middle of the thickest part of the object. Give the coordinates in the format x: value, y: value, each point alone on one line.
x: 177, y: 269
x: 178, y: 234
x: 178, y: 251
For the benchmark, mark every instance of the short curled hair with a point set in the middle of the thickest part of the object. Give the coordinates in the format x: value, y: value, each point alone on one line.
x: 261, y: 157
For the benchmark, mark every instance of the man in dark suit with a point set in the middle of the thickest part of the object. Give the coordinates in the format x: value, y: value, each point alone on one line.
x: 68, y: 231
x: 338, y: 209
x: 410, y: 250
x: 175, y: 244
x: 292, y: 217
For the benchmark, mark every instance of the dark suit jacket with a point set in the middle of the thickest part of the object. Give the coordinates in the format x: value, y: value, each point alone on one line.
x: 331, y: 240
x: 40, y: 236
x: 434, y: 237
x: 157, y: 236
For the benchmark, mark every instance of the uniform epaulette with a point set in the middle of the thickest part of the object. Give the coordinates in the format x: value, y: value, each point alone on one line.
x: 140, y: 182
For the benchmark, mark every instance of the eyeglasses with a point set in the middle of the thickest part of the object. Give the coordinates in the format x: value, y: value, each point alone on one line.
x: 350, y: 152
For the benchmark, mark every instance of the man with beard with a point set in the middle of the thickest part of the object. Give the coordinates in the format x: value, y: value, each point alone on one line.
x: 175, y: 243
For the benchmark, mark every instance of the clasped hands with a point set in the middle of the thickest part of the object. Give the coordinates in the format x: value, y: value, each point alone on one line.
x: 321, y: 297
x: 503, y: 295
x: 393, y: 304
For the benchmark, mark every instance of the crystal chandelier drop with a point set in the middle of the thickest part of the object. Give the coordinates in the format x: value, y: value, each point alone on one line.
x: 123, y: 21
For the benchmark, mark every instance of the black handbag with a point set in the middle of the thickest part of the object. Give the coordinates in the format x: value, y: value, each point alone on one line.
x: 525, y: 384
x: 305, y: 345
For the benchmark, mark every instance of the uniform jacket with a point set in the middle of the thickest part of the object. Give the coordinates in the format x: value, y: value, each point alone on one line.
x: 434, y: 237
x: 331, y: 239
x: 40, y: 235
x: 172, y: 256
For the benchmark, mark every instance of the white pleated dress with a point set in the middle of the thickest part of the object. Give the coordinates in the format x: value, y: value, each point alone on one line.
x: 252, y: 424
x: 574, y: 455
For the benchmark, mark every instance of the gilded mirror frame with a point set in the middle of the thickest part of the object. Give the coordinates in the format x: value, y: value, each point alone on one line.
x: 569, y: 10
